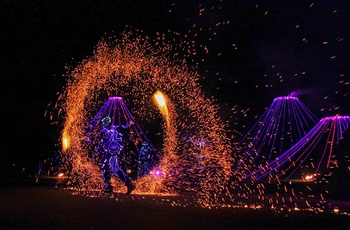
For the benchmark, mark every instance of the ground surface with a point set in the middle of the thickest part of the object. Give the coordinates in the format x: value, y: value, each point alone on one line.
x: 47, y: 207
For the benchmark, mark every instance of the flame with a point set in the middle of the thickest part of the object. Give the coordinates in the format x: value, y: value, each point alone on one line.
x: 162, y: 105
x: 65, y: 141
x: 160, y: 98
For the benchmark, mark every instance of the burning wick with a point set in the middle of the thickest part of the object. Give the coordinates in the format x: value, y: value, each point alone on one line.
x: 65, y: 141
x: 161, y: 103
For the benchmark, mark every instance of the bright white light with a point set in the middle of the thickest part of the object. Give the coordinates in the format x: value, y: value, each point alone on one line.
x: 60, y: 174
x: 160, y: 98
x: 309, y: 177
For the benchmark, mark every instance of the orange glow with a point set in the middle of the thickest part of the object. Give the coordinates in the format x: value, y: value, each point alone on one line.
x: 134, y: 67
x: 65, y: 141
x: 162, y: 104
x: 60, y: 174
x: 309, y: 177
x: 160, y: 98
x: 121, y: 70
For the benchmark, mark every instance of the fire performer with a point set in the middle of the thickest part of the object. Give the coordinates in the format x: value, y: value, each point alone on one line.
x: 112, y: 146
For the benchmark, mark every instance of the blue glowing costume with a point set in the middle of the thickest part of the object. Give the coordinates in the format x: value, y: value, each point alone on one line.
x: 112, y: 146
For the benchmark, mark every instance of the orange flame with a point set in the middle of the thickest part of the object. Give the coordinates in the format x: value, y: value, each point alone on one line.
x: 65, y: 141
x: 162, y: 105
x: 160, y: 98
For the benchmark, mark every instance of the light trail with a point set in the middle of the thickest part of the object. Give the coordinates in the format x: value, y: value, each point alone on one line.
x: 302, y: 150
x: 285, y: 122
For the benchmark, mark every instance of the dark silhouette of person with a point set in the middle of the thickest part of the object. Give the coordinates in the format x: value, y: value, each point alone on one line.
x: 145, y: 157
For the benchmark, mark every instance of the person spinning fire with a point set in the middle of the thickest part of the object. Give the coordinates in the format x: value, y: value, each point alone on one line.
x: 111, y: 141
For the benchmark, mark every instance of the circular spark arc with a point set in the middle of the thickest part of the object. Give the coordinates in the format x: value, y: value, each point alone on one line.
x: 132, y: 68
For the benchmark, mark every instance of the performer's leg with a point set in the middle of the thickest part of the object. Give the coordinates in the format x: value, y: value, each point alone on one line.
x: 114, y: 164
x: 106, y: 175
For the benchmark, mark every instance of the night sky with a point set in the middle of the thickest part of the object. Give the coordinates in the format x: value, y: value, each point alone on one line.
x: 258, y: 50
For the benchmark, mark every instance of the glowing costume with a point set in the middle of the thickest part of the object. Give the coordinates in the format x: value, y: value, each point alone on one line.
x: 112, y: 146
x: 114, y: 140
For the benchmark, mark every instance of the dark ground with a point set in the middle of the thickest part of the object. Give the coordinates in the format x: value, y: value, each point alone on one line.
x: 29, y: 206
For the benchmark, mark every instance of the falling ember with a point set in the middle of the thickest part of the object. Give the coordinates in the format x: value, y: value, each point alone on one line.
x: 336, y: 210
x: 60, y: 174
x: 309, y: 177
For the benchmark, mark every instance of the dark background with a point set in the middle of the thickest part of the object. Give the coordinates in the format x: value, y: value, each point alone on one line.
x: 258, y: 50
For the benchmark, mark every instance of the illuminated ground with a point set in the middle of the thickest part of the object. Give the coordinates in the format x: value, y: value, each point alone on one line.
x: 47, y: 207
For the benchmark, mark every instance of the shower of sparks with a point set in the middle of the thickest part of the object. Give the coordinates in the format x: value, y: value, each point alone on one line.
x: 135, y: 69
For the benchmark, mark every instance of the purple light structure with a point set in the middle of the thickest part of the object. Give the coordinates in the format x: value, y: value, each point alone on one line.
x: 123, y: 121
x: 330, y: 127
x: 284, y: 123
x: 116, y: 109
